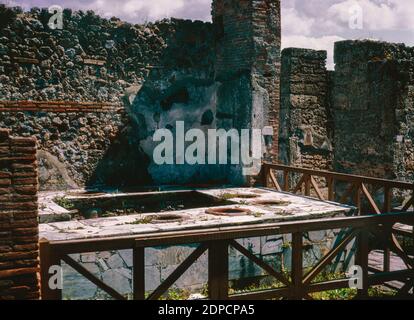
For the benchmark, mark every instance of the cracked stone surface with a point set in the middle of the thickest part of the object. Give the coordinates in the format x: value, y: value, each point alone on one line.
x: 298, y: 208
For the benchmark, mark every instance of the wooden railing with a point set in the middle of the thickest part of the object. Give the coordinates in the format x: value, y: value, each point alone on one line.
x: 357, y: 186
x: 355, y: 190
x: 299, y: 284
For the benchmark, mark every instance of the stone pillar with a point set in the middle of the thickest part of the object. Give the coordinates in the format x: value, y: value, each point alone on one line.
x: 18, y: 218
x: 305, y: 119
x: 373, y: 99
x: 248, y: 35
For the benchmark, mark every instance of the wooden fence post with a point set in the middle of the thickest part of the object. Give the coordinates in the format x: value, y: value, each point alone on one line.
x: 286, y: 180
x: 362, y: 261
x: 387, y: 209
x: 357, y: 198
x: 48, y: 258
x: 307, y: 185
x: 331, y: 189
x: 218, y: 270
x: 139, y: 273
x: 266, y: 172
x: 297, y: 265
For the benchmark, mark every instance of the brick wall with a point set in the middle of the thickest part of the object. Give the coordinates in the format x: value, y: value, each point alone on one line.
x: 18, y: 218
x: 234, y: 33
x: 266, y: 21
x: 101, y: 88
x: 76, y: 140
x: 59, y: 106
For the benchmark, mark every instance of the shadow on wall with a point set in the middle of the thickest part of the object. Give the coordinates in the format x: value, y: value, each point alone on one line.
x: 167, y: 72
x: 123, y: 165
x: 179, y: 86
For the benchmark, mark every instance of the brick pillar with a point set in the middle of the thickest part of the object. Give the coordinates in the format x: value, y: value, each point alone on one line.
x: 18, y: 218
x: 248, y: 42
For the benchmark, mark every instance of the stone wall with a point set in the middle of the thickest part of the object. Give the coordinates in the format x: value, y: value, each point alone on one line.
x: 180, y: 88
x: 79, y: 142
x: 18, y: 218
x: 267, y: 37
x: 220, y: 75
x: 90, y: 59
x: 357, y: 119
x: 155, y: 74
x: 373, y: 97
x: 305, y: 117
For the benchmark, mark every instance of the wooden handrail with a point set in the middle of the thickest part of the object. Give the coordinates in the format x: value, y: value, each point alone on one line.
x: 226, y: 233
x: 356, y: 190
x: 216, y: 241
x: 343, y: 176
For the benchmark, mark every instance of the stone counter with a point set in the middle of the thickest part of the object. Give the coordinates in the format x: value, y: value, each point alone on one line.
x: 299, y: 208
x: 115, y: 267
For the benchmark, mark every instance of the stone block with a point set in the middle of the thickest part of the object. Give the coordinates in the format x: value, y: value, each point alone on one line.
x: 127, y: 256
x: 75, y: 286
x: 271, y: 245
x: 88, y: 257
x: 117, y: 279
x: 152, y: 277
x: 115, y: 261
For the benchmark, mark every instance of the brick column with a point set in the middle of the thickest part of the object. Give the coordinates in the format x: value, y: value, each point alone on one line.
x: 248, y: 42
x: 18, y: 218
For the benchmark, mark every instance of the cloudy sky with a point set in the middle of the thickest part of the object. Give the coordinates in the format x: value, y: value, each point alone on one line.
x: 315, y: 24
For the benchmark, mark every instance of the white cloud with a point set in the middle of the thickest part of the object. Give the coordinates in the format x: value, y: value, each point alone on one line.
x: 377, y: 14
x: 156, y: 9
x: 294, y: 23
x: 317, y: 24
x: 321, y: 43
x: 135, y: 10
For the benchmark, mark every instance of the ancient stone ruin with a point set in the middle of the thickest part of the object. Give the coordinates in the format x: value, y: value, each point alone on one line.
x: 135, y: 79
x: 87, y: 100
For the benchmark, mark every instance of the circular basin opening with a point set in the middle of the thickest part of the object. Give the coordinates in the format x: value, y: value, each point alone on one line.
x: 260, y: 191
x: 86, y: 193
x: 229, y: 212
x: 239, y: 196
x: 165, y: 218
x: 273, y: 203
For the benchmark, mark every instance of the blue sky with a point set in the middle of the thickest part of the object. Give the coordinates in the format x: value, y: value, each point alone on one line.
x: 315, y: 24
